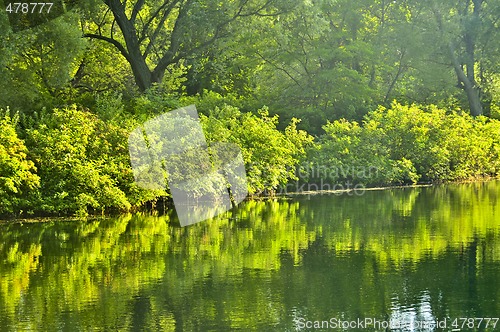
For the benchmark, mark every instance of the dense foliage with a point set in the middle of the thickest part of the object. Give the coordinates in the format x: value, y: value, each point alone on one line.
x: 17, y: 173
x: 82, y: 162
x: 270, y: 156
x: 407, y: 144
x: 82, y: 81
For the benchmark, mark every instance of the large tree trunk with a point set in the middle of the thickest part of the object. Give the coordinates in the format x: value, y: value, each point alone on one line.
x: 140, y: 69
x: 148, y: 33
x: 466, y: 79
x: 142, y: 74
x: 468, y: 86
x: 476, y: 108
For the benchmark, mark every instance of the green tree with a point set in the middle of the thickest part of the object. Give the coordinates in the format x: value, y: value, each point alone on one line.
x: 157, y: 34
x: 39, y: 63
x: 467, y: 44
x: 316, y: 62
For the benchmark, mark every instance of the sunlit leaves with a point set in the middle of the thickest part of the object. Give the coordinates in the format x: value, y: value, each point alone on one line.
x: 17, y: 174
x: 270, y: 155
x: 412, y: 143
x: 75, y: 155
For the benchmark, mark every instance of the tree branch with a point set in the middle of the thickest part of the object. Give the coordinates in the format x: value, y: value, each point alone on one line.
x: 175, y: 41
x: 158, y: 29
x: 112, y: 41
x: 145, y: 28
x: 280, y: 68
x: 137, y: 7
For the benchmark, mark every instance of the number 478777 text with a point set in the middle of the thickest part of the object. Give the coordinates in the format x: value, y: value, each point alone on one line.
x: 28, y: 7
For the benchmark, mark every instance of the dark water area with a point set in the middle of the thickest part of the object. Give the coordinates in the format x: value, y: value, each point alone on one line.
x: 405, y: 259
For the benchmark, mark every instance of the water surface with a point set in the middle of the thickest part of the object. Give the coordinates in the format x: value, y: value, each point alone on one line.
x: 411, y: 256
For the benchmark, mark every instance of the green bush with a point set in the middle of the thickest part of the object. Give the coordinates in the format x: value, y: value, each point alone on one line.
x: 18, y: 181
x: 75, y: 161
x: 82, y: 163
x: 350, y: 153
x: 270, y: 155
x: 406, y: 144
x: 410, y: 133
x: 474, y: 147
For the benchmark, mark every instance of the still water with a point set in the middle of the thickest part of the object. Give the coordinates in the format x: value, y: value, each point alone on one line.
x: 404, y: 257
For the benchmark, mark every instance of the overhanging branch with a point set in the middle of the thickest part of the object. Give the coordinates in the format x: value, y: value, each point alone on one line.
x: 112, y: 41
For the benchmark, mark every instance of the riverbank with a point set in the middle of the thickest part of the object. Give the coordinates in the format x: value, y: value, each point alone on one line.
x: 169, y: 206
x: 360, y: 190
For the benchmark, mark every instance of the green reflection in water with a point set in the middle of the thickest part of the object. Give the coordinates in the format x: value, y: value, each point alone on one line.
x: 421, y: 253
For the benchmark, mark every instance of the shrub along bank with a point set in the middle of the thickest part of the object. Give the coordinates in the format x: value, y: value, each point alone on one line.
x: 74, y: 161
x: 406, y: 145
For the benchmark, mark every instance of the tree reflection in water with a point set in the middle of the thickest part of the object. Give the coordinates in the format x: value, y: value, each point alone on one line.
x: 413, y: 254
